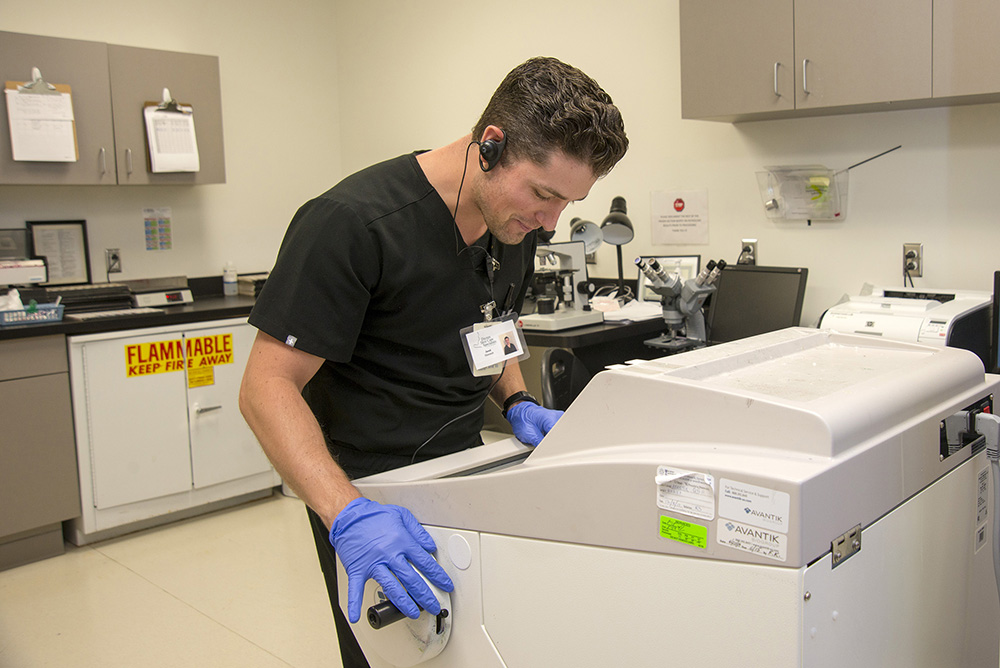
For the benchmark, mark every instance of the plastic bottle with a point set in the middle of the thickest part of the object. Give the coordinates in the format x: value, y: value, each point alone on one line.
x: 229, y: 286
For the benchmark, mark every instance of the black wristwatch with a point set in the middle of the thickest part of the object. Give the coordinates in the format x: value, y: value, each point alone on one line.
x: 516, y: 398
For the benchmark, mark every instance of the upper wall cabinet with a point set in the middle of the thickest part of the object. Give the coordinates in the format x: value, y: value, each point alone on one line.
x: 861, y: 52
x: 138, y: 77
x: 736, y: 57
x: 786, y: 58
x: 966, y: 48
x: 111, y: 86
x: 84, y: 67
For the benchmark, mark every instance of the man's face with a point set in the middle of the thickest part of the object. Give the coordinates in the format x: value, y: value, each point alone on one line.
x: 521, y: 196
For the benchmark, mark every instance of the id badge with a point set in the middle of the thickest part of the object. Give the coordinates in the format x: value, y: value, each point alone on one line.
x: 489, y: 345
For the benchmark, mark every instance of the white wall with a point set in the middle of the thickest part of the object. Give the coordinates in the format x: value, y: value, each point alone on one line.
x: 279, y: 99
x: 370, y: 80
x: 418, y: 74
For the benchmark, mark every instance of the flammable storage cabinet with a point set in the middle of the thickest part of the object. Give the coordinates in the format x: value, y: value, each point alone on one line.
x: 798, y: 498
x: 158, y: 429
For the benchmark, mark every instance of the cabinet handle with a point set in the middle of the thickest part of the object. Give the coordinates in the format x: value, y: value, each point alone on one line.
x: 776, y: 66
x: 205, y: 409
x: 104, y: 160
x: 805, y: 76
x: 128, y: 161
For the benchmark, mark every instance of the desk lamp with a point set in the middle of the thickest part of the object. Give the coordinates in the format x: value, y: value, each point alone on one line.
x: 588, y: 233
x: 617, y: 231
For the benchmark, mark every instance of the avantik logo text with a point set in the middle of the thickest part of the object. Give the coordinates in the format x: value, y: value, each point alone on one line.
x: 754, y: 533
x: 771, y: 517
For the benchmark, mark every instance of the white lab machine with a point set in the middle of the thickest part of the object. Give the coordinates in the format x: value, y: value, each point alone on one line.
x: 560, y: 271
x: 22, y: 272
x: 957, y: 318
x: 793, y: 501
x: 153, y: 292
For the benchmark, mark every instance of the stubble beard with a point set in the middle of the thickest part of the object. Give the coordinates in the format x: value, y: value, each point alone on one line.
x: 507, y: 231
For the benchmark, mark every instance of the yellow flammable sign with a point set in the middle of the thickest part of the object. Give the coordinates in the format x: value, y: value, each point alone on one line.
x: 198, y: 355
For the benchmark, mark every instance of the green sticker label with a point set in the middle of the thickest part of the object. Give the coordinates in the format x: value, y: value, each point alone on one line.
x: 684, y: 532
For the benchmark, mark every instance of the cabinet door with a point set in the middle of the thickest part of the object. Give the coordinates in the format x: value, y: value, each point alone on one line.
x: 38, y: 480
x: 136, y: 410
x: 861, y: 52
x: 139, y: 76
x: 737, y: 57
x: 222, y: 446
x: 84, y: 67
x: 966, y: 47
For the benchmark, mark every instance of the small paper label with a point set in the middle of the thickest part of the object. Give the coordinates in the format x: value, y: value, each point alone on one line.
x: 757, y: 506
x: 754, y: 540
x: 685, y: 492
x: 982, y: 503
x: 684, y: 532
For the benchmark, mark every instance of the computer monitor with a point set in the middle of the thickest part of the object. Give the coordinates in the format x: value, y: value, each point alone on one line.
x: 752, y: 300
x: 687, y: 266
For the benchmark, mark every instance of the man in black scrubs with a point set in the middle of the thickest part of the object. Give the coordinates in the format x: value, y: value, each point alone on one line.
x: 359, y: 365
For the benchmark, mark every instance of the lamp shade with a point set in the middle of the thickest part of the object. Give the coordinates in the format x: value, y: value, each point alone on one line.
x: 587, y: 232
x: 617, y: 228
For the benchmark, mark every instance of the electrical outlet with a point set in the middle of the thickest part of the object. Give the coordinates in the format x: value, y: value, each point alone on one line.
x: 913, y: 260
x: 113, y: 259
x: 748, y: 252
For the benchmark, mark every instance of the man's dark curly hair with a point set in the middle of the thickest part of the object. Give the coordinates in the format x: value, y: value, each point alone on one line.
x: 544, y: 104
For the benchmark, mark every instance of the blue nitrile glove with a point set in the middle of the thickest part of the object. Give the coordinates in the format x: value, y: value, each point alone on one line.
x: 385, y: 542
x: 531, y: 422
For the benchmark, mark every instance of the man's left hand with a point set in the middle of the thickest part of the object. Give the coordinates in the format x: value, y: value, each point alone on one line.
x: 531, y: 422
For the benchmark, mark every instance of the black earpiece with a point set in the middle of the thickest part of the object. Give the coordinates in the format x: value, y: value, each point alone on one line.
x: 490, y: 150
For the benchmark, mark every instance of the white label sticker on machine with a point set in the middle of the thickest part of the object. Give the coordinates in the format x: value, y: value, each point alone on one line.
x: 758, y: 541
x: 982, y: 508
x: 685, y: 492
x: 757, y: 506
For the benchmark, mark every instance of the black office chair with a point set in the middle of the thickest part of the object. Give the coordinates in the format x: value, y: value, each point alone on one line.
x: 563, y: 378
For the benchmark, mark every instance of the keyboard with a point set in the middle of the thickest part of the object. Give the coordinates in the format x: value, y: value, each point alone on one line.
x: 113, y: 313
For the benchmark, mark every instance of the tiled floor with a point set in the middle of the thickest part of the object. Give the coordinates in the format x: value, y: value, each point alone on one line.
x: 239, y: 587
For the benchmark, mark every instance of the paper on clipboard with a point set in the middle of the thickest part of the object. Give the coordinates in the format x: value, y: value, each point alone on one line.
x: 173, y: 146
x: 42, y: 126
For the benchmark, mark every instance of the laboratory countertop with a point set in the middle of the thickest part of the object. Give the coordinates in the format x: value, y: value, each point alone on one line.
x: 602, y: 334
x: 217, y: 307
x: 203, y: 308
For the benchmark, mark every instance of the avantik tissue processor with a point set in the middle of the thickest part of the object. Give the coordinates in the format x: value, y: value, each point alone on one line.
x: 799, y: 498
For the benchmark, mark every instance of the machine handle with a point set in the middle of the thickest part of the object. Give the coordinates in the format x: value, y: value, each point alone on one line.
x: 205, y: 409
x: 385, y: 613
x: 776, y: 66
x: 805, y: 76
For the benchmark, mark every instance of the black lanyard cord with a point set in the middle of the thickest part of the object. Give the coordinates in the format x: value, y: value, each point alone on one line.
x: 413, y: 459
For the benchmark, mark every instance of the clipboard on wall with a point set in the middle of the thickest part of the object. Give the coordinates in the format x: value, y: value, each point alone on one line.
x: 171, y: 143
x: 41, y: 121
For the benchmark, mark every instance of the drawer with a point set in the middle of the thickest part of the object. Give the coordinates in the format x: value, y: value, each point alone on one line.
x: 33, y: 356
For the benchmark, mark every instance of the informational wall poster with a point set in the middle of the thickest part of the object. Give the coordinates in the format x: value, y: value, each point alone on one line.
x: 679, y: 217
x: 156, y: 222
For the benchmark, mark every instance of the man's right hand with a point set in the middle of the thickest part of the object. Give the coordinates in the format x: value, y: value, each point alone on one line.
x: 385, y: 542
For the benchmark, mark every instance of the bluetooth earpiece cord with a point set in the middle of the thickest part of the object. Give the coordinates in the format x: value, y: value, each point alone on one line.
x: 491, y: 264
x: 490, y: 268
x: 413, y: 459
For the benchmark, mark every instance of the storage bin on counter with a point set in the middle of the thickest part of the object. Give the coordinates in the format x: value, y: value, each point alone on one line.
x: 42, y: 313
